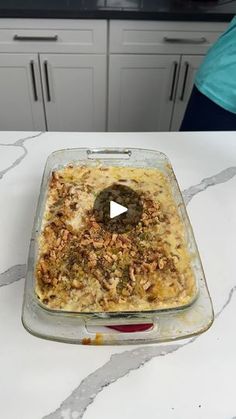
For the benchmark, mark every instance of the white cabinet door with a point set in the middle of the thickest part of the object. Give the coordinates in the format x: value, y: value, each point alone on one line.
x: 189, y: 66
x: 141, y: 92
x: 21, y: 106
x: 75, y: 91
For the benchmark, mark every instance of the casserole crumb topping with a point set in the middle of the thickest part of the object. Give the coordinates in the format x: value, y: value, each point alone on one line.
x: 83, y: 267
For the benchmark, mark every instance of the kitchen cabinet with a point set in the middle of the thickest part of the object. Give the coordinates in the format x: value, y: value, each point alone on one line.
x: 95, y: 75
x: 74, y: 88
x: 53, y: 75
x: 141, y: 92
x: 21, y: 101
x: 152, y: 68
x: 150, y: 92
x: 188, y: 67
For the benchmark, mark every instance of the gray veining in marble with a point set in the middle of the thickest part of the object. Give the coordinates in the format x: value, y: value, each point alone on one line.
x: 227, y: 302
x: 117, y: 367
x: 220, y: 177
x: 17, y: 272
x: 121, y: 364
x: 18, y: 143
x: 13, y: 274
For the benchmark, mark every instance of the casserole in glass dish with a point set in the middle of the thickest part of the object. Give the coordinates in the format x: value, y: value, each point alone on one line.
x: 87, y: 271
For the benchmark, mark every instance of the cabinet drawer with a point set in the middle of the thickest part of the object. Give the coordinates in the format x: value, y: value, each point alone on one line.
x: 159, y: 37
x: 82, y: 37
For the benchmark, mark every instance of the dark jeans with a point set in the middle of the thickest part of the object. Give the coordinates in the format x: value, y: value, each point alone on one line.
x: 204, y: 115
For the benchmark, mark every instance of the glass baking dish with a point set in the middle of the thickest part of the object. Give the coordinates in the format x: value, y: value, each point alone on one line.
x: 74, y: 327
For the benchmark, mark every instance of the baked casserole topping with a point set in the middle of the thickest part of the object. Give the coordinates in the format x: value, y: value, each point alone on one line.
x: 83, y: 267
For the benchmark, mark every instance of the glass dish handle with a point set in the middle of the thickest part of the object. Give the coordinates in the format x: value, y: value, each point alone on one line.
x: 101, y: 335
x: 109, y: 153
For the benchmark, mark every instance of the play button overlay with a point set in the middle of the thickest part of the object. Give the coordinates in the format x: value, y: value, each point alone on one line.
x: 118, y: 208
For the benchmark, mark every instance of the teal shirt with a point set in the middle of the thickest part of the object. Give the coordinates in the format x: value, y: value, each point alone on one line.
x: 216, y: 77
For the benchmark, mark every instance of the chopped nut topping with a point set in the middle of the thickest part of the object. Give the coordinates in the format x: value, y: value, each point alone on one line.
x: 82, y: 267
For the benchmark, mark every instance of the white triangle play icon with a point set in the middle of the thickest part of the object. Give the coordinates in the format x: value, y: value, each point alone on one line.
x: 116, y: 209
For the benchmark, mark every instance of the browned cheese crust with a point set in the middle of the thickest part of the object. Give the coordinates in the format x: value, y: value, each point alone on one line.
x: 84, y: 268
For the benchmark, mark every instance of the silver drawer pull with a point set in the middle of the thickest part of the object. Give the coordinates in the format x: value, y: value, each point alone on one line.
x: 201, y: 40
x: 35, y: 38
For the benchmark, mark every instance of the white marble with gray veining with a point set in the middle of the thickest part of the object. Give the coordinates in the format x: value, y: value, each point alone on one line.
x: 193, y: 378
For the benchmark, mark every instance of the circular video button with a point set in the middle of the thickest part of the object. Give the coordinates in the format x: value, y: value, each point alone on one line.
x: 118, y: 208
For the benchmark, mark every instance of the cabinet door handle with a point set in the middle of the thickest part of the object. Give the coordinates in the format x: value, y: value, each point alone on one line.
x: 33, y: 80
x: 172, y: 89
x: 201, y: 40
x: 186, y: 64
x: 47, y: 81
x: 35, y: 38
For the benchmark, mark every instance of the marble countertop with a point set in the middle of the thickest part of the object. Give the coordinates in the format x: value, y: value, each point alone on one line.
x: 192, y: 378
x: 196, y: 10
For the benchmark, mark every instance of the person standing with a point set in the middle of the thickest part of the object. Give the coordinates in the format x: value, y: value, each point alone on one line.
x: 212, y: 104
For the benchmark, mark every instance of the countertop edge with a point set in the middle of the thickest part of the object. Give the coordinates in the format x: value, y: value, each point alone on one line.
x: 116, y: 14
